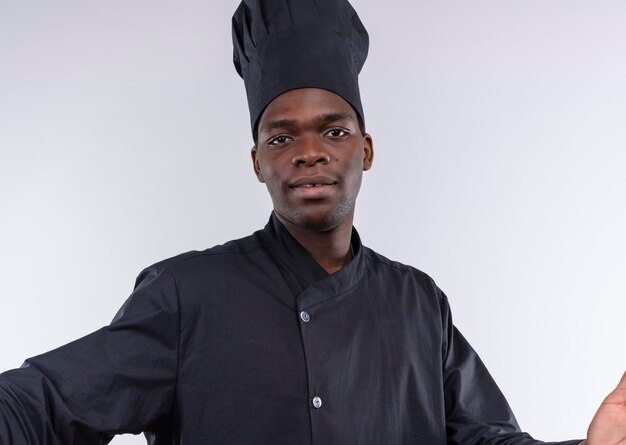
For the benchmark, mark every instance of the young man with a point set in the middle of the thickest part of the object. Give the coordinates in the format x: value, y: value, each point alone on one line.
x: 297, y: 333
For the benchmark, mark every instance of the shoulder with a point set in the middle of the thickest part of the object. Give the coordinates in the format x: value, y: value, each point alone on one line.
x: 411, y: 290
x: 234, y: 252
x: 378, y: 263
x: 403, y: 278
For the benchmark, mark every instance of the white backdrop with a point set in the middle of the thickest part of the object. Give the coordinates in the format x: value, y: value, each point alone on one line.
x: 500, y: 136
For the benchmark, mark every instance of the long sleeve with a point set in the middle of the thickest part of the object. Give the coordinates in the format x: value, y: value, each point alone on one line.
x: 119, y: 379
x: 476, y: 410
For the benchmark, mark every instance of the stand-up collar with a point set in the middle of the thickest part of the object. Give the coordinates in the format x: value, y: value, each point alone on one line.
x: 318, y: 284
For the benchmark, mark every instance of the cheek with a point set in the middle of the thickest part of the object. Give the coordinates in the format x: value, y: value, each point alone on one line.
x: 268, y: 173
x: 270, y: 176
x: 274, y: 167
x: 356, y: 172
x: 356, y: 164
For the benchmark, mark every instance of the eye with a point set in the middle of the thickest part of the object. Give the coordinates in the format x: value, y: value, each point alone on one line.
x: 278, y: 140
x: 337, y: 133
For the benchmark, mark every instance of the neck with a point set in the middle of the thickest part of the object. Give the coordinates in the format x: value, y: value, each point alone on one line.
x: 331, y: 249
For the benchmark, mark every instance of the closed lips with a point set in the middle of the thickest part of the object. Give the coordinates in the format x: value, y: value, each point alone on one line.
x: 312, y: 182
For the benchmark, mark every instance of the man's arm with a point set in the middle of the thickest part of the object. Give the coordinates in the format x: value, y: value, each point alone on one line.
x: 476, y: 410
x: 119, y: 379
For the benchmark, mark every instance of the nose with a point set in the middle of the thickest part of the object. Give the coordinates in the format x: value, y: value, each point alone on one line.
x: 309, y: 152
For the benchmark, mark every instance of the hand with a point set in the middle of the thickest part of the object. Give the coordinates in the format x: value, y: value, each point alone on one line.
x: 608, y: 426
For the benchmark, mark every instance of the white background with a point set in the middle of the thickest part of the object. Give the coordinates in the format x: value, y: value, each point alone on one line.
x: 500, y: 136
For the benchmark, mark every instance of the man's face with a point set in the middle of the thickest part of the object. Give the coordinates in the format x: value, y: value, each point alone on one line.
x: 311, y: 155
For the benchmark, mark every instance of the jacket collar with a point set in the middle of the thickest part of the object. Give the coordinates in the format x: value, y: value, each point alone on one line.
x: 318, y: 284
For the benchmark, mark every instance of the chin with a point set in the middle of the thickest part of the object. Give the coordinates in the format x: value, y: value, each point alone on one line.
x: 319, y: 225
x: 323, y: 221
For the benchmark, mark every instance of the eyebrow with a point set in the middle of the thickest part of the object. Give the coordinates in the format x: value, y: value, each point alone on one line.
x: 281, y: 123
x: 322, y: 118
x: 333, y: 117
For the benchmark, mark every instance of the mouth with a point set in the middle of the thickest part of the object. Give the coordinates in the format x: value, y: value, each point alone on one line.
x: 312, y: 182
x: 311, y: 185
x: 314, y: 188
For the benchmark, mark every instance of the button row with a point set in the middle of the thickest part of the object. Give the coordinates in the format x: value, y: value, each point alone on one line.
x: 316, y: 401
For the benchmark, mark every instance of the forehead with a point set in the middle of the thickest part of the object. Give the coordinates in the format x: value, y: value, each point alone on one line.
x: 305, y: 104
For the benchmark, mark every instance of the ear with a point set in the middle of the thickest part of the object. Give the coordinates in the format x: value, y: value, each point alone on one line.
x: 368, y: 152
x: 255, y: 164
